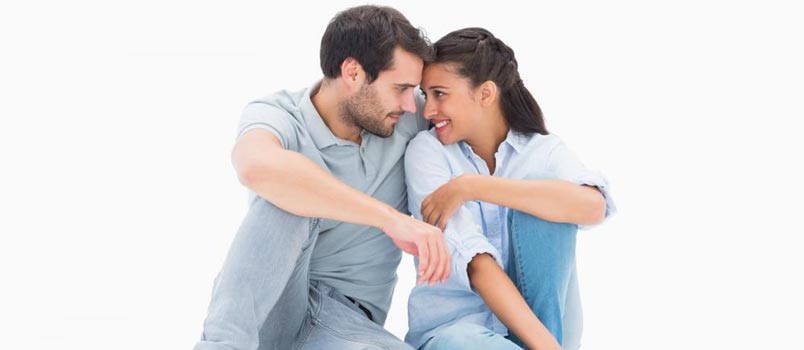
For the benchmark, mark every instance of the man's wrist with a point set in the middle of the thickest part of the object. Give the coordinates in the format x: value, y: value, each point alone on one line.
x: 386, y: 215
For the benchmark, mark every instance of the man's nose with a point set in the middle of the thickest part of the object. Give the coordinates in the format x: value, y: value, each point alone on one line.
x: 409, y: 103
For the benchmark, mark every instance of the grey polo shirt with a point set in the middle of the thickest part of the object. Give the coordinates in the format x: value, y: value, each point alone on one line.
x: 358, y: 261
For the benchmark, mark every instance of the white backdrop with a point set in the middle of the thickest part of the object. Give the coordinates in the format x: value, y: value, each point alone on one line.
x: 118, y: 201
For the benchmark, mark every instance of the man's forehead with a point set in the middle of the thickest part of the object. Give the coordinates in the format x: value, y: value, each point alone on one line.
x: 406, y: 68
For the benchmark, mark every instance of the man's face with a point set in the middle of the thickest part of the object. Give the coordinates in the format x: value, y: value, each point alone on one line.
x: 379, y: 105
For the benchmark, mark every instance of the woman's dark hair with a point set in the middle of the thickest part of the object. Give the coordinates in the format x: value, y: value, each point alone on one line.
x: 369, y: 34
x: 481, y: 57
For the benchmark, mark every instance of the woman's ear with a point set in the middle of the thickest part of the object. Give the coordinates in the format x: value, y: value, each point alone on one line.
x: 488, y: 93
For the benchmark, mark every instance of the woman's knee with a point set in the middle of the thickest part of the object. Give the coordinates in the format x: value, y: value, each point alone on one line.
x: 468, y: 336
x: 518, y: 220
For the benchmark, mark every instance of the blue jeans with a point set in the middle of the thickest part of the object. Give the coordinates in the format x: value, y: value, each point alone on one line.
x: 263, y: 297
x: 542, y: 266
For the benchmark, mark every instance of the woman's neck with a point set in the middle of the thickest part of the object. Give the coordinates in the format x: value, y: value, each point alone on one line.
x: 488, y: 138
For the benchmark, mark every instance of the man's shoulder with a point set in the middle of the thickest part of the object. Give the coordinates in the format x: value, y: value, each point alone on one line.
x: 283, y: 102
x: 279, y: 113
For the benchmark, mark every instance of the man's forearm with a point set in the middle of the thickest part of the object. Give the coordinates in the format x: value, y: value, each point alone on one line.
x: 296, y: 184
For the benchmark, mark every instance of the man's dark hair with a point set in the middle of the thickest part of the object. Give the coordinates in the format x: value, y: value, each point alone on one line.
x: 369, y: 34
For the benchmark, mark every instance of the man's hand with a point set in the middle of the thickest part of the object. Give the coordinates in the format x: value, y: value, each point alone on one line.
x: 440, y: 205
x: 425, y: 241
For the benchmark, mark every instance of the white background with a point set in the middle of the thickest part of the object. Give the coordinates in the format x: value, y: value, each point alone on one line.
x: 118, y: 201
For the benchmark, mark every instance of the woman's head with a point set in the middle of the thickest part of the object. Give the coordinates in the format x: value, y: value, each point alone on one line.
x: 473, y: 72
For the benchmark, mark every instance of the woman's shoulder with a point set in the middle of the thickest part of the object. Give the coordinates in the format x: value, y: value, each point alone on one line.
x: 425, y: 140
x: 538, y: 143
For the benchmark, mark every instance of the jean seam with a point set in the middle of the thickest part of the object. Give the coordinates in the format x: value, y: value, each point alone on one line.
x: 311, y: 314
x: 344, y: 337
x: 518, y: 261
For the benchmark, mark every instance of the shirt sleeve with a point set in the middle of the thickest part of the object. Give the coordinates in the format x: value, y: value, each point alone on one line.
x: 566, y: 166
x: 427, y: 169
x: 263, y: 115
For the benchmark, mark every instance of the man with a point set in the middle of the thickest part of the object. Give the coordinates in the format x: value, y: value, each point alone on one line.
x: 313, y: 265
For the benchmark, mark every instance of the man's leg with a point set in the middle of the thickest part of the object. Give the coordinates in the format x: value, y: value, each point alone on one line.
x: 260, y: 295
x: 335, y: 322
x: 468, y: 336
x: 541, y: 264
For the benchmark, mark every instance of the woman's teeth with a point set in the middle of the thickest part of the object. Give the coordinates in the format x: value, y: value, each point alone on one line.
x: 442, y: 124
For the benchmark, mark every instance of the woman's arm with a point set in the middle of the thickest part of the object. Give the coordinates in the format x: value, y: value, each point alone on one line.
x: 502, y: 297
x: 551, y: 200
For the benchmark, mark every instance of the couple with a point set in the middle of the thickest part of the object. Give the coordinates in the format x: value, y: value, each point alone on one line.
x: 336, y: 170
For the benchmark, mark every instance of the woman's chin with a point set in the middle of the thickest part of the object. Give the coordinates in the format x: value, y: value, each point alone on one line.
x: 445, y: 139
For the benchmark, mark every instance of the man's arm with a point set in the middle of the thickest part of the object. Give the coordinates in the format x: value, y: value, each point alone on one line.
x: 297, y: 185
x: 502, y: 297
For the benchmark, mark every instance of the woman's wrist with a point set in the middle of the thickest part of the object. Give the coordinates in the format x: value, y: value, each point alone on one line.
x: 467, y: 183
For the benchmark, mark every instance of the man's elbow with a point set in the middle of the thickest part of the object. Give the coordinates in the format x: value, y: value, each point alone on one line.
x: 252, y: 172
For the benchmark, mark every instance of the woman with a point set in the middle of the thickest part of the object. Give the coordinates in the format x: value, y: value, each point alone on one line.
x: 509, y: 197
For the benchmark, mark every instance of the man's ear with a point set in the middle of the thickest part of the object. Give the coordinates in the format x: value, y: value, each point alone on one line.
x: 352, y: 74
x: 488, y: 93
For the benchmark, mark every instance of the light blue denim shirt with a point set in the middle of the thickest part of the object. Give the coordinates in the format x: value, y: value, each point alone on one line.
x: 477, y: 227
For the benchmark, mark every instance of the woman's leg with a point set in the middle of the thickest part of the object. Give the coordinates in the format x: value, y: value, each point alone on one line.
x: 541, y: 264
x: 573, y: 315
x: 468, y: 336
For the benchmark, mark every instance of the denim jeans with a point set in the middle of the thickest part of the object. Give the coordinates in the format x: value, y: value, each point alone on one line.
x: 542, y: 266
x: 264, y: 299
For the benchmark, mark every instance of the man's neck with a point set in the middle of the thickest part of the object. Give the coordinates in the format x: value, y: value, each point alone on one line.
x: 327, y: 99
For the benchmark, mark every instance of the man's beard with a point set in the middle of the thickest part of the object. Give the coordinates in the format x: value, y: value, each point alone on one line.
x: 365, y: 111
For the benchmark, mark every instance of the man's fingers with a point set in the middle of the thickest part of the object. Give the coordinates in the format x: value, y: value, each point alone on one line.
x: 433, y: 260
x: 424, y: 259
x: 438, y: 275
x: 448, y: 264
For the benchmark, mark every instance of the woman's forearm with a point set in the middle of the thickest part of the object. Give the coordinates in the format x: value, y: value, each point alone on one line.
x: 551, y: 200
x: 507, y: 303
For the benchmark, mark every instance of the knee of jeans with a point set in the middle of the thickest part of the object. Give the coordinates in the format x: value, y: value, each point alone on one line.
x: 265, y: 213
x: 517, y: 219
x: 461, y: 336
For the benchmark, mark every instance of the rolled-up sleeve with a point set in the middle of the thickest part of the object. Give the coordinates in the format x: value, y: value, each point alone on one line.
x: 427, y: 169
x: 566, y: 166
x: 263, y: 115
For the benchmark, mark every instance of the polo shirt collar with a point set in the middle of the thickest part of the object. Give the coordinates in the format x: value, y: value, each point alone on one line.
x: 319, y: 131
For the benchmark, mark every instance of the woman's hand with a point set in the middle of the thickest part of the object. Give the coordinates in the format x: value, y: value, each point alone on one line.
x: 440, y: 205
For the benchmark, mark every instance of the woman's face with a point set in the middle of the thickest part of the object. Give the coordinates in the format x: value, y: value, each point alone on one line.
x: 451, y: 103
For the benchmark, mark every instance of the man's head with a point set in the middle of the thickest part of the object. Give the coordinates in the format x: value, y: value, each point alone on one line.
x: 379, y: 56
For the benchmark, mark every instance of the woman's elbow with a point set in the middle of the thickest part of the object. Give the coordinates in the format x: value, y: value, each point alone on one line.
x: 593, y: 209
